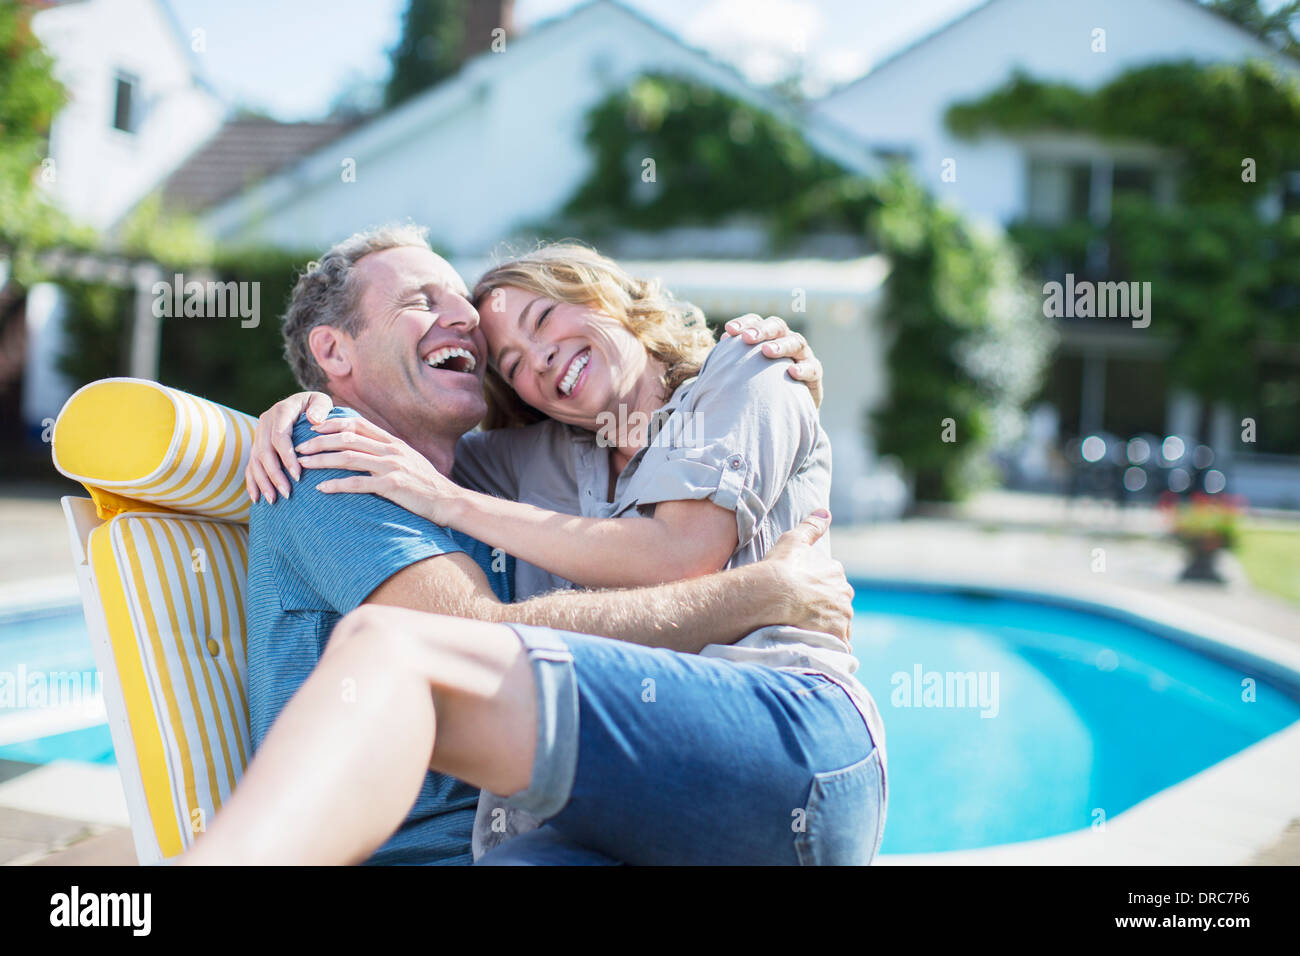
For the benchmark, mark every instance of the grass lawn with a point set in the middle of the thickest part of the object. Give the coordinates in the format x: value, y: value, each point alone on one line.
x: 1272, y: 560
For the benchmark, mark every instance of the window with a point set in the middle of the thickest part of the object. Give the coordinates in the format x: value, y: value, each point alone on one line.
x: 1074, y: 189
x: 125, y: 106
x: 1134, y: 180
x: 1059, y: 191
x: 1062, y: 190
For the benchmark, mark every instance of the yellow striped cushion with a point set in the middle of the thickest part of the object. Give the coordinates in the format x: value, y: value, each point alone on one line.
x: 172, y: 587
x: 130, y: 441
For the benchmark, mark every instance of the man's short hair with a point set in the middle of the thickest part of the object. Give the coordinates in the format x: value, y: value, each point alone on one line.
x: 328, y: 293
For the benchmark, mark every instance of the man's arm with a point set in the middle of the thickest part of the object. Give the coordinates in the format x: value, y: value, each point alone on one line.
x: 795, y: 584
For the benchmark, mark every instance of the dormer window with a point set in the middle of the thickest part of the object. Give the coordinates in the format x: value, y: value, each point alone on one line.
x: 126, y: 90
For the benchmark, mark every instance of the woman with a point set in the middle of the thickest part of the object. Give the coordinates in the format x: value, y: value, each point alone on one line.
x: 652, y: 455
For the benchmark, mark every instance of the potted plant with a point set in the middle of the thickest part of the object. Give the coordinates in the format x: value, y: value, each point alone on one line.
x: 1206, y: 526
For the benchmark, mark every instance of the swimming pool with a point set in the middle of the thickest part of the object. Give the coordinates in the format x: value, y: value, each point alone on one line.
x: 1087, y: 714
x: 51, y: 706
x: 1007, y: 718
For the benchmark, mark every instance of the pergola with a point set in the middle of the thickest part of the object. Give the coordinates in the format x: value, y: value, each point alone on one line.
x: 119, y: 272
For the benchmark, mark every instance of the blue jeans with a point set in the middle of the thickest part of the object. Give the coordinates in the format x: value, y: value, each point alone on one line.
x: 651, y: 757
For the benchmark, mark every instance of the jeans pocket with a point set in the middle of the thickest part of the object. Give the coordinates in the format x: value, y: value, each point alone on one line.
x: 845, y: 813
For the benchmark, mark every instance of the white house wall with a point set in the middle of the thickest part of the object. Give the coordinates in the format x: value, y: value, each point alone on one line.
x: 495, y: 148
x: 101, y: 172
x: 901, y: 104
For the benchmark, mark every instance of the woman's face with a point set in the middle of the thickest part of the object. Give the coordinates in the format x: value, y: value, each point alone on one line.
x: 571, y: 362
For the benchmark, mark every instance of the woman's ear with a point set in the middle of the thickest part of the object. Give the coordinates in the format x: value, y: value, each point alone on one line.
x: 329, y: 346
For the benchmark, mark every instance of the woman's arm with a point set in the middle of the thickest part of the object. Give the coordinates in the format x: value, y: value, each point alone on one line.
x: 683, y: 539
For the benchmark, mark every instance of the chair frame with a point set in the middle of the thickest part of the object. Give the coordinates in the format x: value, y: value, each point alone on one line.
x: 82, y: 520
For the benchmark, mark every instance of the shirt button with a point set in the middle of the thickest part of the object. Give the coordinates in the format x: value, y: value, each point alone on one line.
x: 734, y: 462
x: 213, y: 647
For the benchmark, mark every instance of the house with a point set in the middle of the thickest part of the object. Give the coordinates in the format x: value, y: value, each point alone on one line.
x: 1106, y: 377
x: 898, y: 107
x: 136, y: 103
x: 499, y: 146
x: 492, y: 149
x: 136, y: 108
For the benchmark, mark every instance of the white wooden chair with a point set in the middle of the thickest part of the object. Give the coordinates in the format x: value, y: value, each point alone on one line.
x: 161, y: 552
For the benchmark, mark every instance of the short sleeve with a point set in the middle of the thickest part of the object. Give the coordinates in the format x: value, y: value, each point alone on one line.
x: 739, y: 434
x: 340, y: 547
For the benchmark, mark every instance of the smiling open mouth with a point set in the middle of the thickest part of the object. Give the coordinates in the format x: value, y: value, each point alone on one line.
x: 576, y: 365
x: 452, y: 360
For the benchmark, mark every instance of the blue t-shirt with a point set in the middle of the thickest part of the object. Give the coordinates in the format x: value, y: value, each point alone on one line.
x: 312, y: 558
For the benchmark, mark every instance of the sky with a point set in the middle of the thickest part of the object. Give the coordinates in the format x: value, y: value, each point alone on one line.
x: 291, y: 58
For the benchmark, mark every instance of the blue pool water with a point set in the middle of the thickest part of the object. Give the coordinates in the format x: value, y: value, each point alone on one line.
x: 1089, y: 713
x: 54, y: 642
x: 1092, y: 715
x: 89, y: 745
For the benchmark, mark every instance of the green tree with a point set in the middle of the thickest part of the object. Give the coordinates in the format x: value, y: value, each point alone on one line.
x: 29, y: 97
x: 1276, y: 27
x: 719, y: 157
x: 430, y: 48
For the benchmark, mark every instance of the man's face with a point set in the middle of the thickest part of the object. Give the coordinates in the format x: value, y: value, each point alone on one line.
x: 420, y: 358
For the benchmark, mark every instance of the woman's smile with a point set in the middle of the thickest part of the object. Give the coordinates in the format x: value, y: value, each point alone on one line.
x: 575, y: 374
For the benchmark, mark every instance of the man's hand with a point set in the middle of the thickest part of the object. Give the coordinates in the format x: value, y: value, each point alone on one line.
x: 812, y: 585
x: 780, y: 342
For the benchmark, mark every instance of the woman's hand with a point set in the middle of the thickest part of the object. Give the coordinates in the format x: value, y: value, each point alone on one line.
x: 393, y: 469
x: 780, y: 342
x: 272, y: 452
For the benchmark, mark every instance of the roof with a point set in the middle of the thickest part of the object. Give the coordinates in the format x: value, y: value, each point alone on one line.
x: 1265, y: 48
x: 425, y: 109
x: 241, y: 152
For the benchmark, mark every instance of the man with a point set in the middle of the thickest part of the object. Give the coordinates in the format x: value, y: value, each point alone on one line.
x: 362, y: 324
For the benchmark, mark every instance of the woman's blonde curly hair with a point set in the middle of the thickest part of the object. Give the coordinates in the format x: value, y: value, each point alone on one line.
x: 673, y: 332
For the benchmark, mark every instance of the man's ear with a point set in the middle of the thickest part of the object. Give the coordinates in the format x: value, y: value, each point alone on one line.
x: 331, y: 349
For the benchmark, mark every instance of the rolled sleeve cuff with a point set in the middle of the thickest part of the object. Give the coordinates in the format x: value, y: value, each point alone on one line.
x: 555, y: 761
x: 724, y: 481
